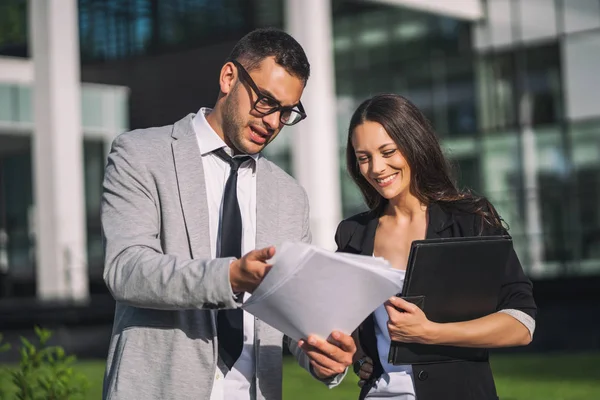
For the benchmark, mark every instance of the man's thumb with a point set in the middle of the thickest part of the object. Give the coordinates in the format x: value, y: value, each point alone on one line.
x: 264, y: 254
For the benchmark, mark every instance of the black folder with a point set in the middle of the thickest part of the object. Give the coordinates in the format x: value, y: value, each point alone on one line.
x: 452, y: 280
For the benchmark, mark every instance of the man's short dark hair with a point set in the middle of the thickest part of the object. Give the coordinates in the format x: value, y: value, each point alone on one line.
x: 259, y: 44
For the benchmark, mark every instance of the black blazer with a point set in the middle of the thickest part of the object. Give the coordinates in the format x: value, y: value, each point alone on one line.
x: 460, y: 380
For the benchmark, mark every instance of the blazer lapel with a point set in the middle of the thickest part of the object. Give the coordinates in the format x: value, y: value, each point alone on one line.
x: 363, y: 240
x: 267, y: 216
x: 192, y: 189
x: 267, y: 205
x: 438, y: 221
x: 368, y: 240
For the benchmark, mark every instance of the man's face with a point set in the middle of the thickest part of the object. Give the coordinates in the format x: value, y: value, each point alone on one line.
x: 244, y: 127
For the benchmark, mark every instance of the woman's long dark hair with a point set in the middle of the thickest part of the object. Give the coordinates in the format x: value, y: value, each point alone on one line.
x: 431, y: 180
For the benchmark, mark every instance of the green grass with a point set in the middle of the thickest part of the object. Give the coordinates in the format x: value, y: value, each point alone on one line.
x: 94, y: 370
x: 548, y: 377
x: 518, y: 377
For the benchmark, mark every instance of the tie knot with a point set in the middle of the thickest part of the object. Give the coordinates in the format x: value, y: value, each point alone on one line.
x: 234, y: 162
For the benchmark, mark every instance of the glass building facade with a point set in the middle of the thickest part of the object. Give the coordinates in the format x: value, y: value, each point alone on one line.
x: 111, y: 29
x: 120, y: 29
x: 513, y: 99
x: 104, y: 114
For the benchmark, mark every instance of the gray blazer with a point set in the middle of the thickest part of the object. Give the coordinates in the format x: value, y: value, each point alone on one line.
x: 159, y: 269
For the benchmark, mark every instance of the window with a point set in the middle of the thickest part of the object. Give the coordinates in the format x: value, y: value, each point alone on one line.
x: 115, y: 29
x: 505, y: 79
x: 541, y: 80
x: 94, y: 161
x: 496, y: 91
x: 16, y: 200
x: 454, y: 96
x: 13, y: 28
x: 587, y: 194
x: 585, y: 145
x: 468, y: 173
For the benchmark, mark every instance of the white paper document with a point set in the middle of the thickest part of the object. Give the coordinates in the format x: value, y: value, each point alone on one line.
x: 310, y: 290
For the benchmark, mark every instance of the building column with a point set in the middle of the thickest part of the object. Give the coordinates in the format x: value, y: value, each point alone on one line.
x: 60, y: 236
x: 315, y: 157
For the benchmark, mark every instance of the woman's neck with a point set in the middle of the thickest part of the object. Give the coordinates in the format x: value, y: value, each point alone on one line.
x: 405, y: 207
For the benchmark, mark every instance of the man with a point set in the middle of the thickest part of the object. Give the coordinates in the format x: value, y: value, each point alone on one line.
x: 178, y: 211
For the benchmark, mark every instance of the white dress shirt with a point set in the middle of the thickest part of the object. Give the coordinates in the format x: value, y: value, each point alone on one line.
x: 236, y: 384
x: 397, y: 380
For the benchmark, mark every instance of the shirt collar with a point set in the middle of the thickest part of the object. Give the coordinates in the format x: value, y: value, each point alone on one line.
x: 208, y: 139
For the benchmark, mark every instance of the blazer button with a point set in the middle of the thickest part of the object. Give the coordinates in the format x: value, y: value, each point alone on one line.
x: 423, y: 375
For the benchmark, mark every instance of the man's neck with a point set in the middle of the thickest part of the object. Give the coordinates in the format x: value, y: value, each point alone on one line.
x: 216, y: 123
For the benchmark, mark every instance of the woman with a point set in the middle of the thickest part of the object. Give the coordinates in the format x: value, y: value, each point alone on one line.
x: 395, y: 159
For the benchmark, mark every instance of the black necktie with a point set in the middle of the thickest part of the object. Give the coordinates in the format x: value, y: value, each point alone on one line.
x: 230, y: 323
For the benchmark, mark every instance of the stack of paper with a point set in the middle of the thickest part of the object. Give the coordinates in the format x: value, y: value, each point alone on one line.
x: 310, y: 290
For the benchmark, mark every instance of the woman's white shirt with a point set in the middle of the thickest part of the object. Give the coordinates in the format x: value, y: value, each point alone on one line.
x: 397, y: 380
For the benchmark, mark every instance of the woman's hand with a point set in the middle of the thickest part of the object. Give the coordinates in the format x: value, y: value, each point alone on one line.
x: 408, y: 322
x: 364, y: 369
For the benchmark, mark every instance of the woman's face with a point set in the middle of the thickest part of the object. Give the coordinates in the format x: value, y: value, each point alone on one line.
x: 380, y: 160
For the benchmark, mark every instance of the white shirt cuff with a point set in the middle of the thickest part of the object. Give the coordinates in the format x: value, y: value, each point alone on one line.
x: 522, y: 318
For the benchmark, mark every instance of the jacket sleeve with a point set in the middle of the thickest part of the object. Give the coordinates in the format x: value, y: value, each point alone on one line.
x: 517, y: 290
x: 516, y: 293
x: 341, y: 238
x: 136, y: 271
x: 306, y: 232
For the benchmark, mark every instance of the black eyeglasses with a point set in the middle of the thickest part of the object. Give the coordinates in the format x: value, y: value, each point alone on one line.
x: 265, y: 105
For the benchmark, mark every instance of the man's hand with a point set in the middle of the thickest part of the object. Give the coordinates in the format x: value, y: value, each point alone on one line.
x: 329, y: 357
x: 248, y: 272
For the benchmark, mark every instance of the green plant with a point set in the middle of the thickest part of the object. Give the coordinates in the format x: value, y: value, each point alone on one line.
x: 44, y: 372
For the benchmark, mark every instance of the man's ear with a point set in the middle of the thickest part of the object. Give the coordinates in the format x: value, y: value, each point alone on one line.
x: 227, y: 77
